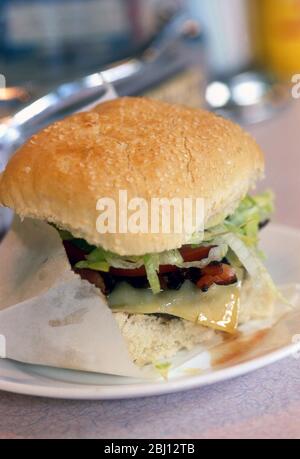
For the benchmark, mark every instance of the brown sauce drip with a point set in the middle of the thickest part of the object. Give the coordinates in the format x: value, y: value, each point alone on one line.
x: 233, y: 349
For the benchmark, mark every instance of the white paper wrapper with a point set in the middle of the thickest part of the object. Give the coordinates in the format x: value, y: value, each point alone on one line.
x: 49, y: 315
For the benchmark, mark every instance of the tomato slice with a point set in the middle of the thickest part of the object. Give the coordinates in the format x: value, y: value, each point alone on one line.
x: 188, y: 253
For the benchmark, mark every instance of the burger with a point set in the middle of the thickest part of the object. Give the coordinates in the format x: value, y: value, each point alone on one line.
x: 168, y: 290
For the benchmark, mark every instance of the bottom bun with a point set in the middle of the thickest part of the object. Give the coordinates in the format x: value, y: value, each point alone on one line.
x: 153, y: 338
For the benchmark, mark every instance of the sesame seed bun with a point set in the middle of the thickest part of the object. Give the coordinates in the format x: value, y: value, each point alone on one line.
x: 148, y: 148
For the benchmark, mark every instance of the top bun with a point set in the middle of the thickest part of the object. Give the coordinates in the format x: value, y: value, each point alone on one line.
x: 149, y: 148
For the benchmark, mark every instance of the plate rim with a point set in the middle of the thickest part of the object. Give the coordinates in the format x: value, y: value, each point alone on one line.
x: 132, y: 391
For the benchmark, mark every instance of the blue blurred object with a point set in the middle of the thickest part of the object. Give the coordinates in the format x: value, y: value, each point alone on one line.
x: 175, y: 49
x: 47, y: 40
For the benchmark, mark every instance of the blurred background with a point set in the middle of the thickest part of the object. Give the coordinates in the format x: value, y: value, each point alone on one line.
x: 236, y: 57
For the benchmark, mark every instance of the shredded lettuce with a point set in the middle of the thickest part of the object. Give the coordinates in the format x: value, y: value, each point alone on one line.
x: 246, y: 221
x: 251, y: 262
x: 171, y: 257
x: 217, y: 253
x: 96, y: 266
x: 260, y: 207
x: 163, y: 369
x: 253, y: 211
x: 246, y: 255
x: 95, y: 260
x: 100, y: 260
x: 236, y: 238
x: 152, y: 268
x: 99, y: 256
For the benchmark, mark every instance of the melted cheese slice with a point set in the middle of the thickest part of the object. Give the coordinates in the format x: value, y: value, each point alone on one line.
x: 217, y: 309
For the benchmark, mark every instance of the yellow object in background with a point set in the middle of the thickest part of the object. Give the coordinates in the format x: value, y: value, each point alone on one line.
x: 280, y: 36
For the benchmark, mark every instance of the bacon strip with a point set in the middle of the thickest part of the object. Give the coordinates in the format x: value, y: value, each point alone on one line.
x: 220, y: 274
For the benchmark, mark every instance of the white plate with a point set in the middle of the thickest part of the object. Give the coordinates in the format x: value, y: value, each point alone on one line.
x: 235, y: 358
